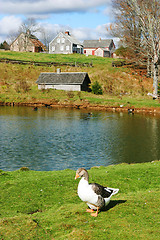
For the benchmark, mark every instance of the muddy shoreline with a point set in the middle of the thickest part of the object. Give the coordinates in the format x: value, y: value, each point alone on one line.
x: 87, y: 106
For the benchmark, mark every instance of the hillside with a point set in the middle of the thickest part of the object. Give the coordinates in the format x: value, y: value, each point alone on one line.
x: 121, y: 85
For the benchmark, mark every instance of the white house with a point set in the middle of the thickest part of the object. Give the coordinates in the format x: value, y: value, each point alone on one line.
x: 65, y: 43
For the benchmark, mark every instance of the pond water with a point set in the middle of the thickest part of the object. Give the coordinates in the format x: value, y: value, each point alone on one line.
x: 56, y: 139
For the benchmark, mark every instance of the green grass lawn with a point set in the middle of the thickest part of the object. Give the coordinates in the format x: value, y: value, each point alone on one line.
x: 45, y: 205
x: 44, y: 57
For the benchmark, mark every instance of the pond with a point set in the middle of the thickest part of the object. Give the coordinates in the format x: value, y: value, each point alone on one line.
x: 56, y: 139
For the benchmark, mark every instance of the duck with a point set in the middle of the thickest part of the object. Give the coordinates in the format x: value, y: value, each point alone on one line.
x: 35, y: 108
x: 94, y: 195
x: 131, y: 110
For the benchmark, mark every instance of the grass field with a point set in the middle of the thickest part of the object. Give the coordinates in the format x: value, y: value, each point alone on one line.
x: 44, y: 57
x: 45, y: 205
x: 120, y: 85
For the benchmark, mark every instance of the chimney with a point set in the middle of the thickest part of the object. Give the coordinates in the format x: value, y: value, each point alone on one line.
x: 28, y: 32
x: 67, y: 32
x: 99, y: 39
x: 58, y: 70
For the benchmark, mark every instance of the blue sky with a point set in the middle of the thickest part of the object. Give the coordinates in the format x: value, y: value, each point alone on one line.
x: 85, y: 19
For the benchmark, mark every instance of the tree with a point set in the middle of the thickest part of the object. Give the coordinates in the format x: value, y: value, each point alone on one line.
x: 96, y: 88
x: 31, y: 25
x: 140, y: 21
x: 127, y: 27
x: 4, y: 46
x: 148, y: 13
x: 46, y: 36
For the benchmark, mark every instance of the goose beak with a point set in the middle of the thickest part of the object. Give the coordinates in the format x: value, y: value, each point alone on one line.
x: 77, y: 176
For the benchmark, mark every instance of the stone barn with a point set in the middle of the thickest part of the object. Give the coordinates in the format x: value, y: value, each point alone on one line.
x: 69, y: 81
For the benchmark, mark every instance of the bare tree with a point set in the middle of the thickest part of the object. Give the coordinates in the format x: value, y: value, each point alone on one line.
x: 127, y: 27
x: 31, y: 25
x: 149, y: 14
x: 46, y: 36
x: 139, y: 25
x: 28, y: 28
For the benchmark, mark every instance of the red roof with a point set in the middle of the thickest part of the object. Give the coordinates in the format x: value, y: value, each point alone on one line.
x: 37, y: 43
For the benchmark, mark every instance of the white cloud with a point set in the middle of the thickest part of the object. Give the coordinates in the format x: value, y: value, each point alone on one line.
x: 94, y: 34
x: 1, y: 39
x: 49, y: 6
x: 9, y: 24
x: 81, y: 33
x: 102, y: 30
x: 47, y: 9
x: 84, y: 33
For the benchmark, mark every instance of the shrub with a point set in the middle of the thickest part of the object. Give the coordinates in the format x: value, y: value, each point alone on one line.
x: 22, y: 85
x: 79, y: 95
x: 24, y: 169
x: 97, y: 88
x: 70, y: 94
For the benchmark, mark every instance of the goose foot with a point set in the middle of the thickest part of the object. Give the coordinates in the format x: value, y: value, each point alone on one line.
x: 96, y: 213
x: 89, y: 210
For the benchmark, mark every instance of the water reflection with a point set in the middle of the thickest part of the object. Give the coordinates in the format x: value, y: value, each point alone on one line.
x: 49, y: 139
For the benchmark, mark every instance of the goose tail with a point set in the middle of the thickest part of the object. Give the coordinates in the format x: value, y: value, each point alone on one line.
x: 114, y: 190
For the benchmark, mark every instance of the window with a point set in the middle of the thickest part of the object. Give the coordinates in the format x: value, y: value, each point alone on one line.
x: 63, y: 40
x: 58, y: 40
x: 61, y: 48
x: 53, y: 48
x: 67, y: 48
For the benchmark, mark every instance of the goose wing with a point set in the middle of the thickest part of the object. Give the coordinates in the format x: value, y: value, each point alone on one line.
x: 100, y: 190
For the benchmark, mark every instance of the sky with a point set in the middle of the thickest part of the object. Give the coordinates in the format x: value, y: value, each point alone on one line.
x: 85, y: 19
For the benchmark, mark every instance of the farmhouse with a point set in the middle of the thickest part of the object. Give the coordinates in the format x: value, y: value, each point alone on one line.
x: 26, y: 42
x: 65, y: 43
x: 69, y: 81
x: 101, y: 48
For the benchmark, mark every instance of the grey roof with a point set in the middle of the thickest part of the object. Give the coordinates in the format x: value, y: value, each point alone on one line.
x: 103, y: 43
x: 62, y: 78
x: 72, y: 39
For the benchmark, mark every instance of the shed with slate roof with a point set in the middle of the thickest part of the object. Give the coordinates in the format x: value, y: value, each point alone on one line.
x: 69, y: 81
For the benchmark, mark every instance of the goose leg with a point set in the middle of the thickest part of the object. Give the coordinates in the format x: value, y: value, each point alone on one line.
x: 96, y: 213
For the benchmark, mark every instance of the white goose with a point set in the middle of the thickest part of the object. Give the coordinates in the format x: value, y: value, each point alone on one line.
x: 95, y: 195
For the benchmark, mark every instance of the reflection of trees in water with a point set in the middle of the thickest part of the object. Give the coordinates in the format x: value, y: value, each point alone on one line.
x: 52, y: 139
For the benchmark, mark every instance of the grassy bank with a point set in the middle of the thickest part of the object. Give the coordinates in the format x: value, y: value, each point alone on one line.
x: 45, y: 205
x: 121, y: 86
